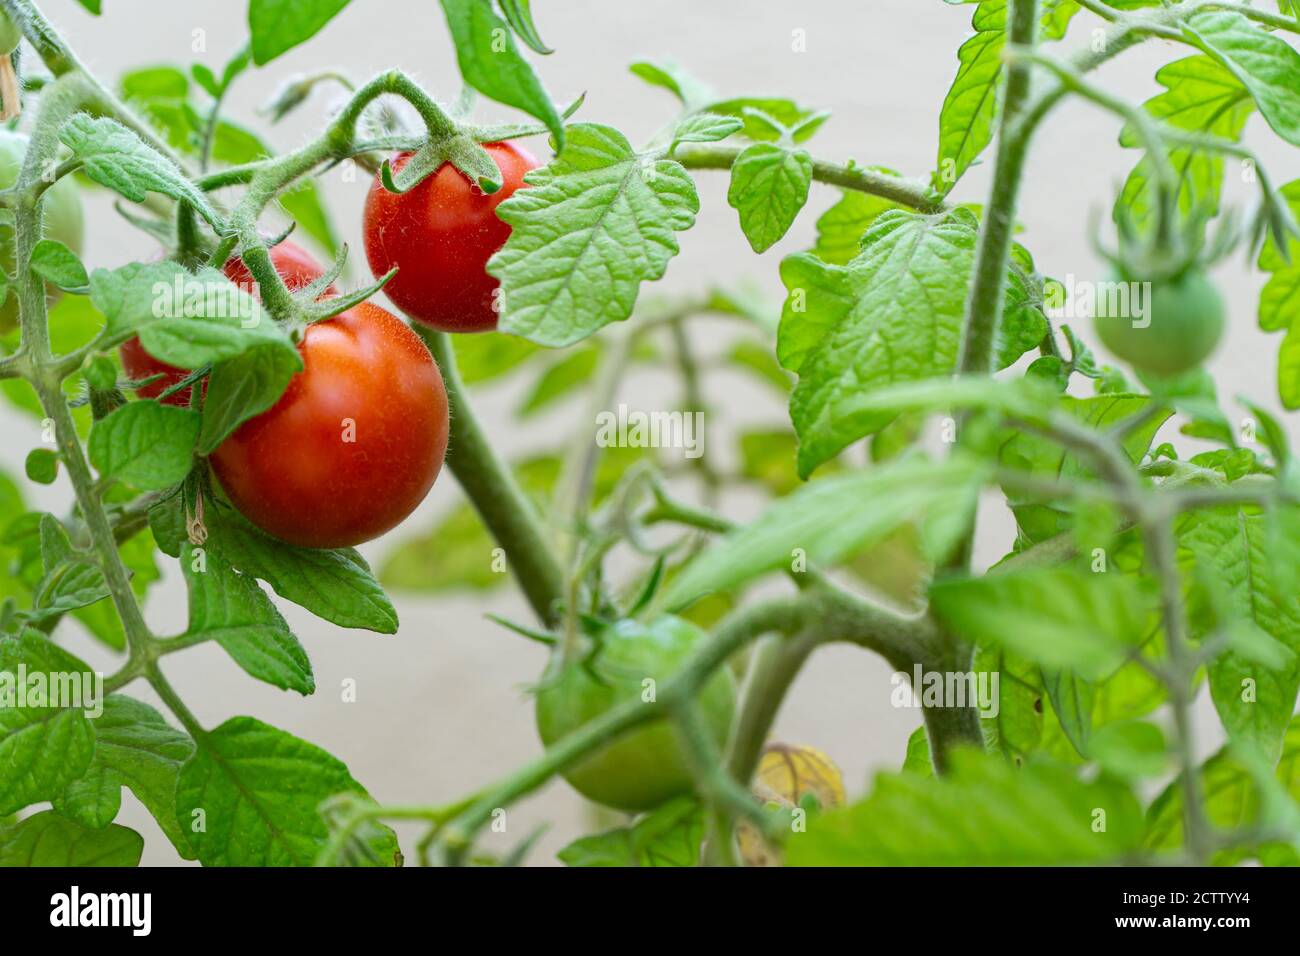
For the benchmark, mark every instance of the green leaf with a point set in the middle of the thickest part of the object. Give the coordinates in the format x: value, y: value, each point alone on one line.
x: 670, y: 835
x: 840, y: 229
x: 1235, y: 546
x: 559, y: 379
x: 1131, y: 750
x: 1265, y: 63
x: 42, y: 466
x: 134, y: 747
x: 56, y: 263
x: 232, y: 609
x: 47, y: 839
x: 986, y: 813
x: 1035, y: 455
x: 305, y: 205
x: 145, y: 444
x: 490, y: 355
x: 705, y: 128
x: 71, y: 580
x: 491, y: 63
x: 278, y: 26
x: 593, y: 225
x: 1071, y: 697
x: 333, y: 583
x: 116, y: 157
x: 674, y: 78
x: 769, y: 185
x: 187, y: 320
x: 520, y: 15
x: 1232, y: 802
x: 893, y: 314
x: 970, y: 109
x: 827, y: 520
x: 1060, y: 617
x: 259, y: 789
x: 1200, y: 96
x: 1279, y: 302
x: 42, y: 748
x: 243, y: 387
x: 917, y: 761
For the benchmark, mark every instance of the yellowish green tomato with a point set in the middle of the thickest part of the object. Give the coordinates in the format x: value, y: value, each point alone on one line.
x: 644, y: 768
x: 61, y: 208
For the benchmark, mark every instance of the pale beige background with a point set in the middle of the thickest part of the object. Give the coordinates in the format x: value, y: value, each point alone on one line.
x: 440, y: 707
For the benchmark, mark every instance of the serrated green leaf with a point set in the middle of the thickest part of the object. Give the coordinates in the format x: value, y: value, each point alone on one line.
x: 259, y: 790
x: 187, y: 320
x: 893, y: 314
x: 769, y: 185
x: 116, y: 157
x: 1060, y: 617
x: 335, y: 584
x: 42, y: 748
x: 136, y: 748
x: 595, y: 223
x: 1234, y: 545
x: 670, y: 835
x: 243, y: 387
x: 827, y: 520
x: 232, y: 609
x: 145, y: 444
x: 840, y: 229
x: 986, y: 813
x: 970, y: 109
x: 1200, y: 96
x: 491, y: 63
x: 1265, y: 63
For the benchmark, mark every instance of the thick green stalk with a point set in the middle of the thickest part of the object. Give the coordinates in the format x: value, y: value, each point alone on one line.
x: 495, y: 494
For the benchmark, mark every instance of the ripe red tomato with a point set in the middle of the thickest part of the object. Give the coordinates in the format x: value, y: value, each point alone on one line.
x: 440, y: 235
x: 353, y: 445
x: 296, y: 266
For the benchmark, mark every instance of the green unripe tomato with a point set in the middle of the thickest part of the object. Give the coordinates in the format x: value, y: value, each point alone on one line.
x: 1183, y: 322
x: 644, y: 768
x: 61, y: 207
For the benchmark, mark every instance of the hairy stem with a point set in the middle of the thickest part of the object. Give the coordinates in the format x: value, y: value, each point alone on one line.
x: 495, y: 494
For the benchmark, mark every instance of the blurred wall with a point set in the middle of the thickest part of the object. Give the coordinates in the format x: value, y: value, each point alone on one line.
x: 440, y: 709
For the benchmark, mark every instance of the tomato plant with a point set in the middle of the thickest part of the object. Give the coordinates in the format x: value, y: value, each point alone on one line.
x: 928, y: 363
x: 440, y: 235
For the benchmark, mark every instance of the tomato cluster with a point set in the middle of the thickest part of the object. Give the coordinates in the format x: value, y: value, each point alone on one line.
x: 357, y: 439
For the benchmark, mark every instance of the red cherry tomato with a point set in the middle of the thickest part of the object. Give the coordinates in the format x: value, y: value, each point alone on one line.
x: 440, y: 236
x: 297, y: 267
x: 353, y: 445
